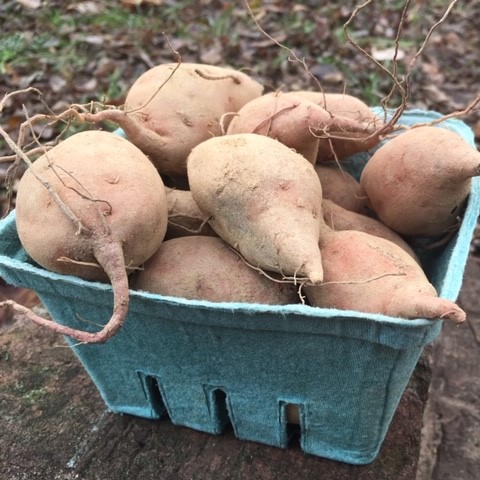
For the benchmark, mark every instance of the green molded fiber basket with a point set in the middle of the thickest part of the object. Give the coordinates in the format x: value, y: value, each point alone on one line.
x: 207, y: 364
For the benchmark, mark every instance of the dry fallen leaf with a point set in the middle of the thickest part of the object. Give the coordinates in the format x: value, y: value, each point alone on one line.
x: 214, y: 54
x: 57, y: 83
x: 435, y: 95
x: 87, y: 85
x: 32, y: 4
x: 385, y: 54
x: 88, y: 7
x: 141, y: 2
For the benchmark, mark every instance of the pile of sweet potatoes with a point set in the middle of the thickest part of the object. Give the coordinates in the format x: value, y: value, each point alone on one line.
x: 227, y: 193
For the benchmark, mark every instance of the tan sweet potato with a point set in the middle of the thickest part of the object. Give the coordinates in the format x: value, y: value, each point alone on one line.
x: 173, y: 107
x: 108, y: 214
x: 345, y: 106
x: 370, y: 274
x: 418, y: 182
x: 296, y: 122
x: 206, y: 268
x: 341, y: 187
x: 263, y: 199
x: 341, y: 104
x: 339, y: 218
x: 184, y: 216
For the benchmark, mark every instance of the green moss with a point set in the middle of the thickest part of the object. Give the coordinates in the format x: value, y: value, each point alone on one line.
x: 35, y: 395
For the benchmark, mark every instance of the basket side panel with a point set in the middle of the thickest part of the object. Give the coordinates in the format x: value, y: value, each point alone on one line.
x: 345, y: 387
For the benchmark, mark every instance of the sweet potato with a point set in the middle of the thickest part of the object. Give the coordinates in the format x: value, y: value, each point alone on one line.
x: 184, y: 216
x: 345, y: 106
x: 370, y: 274
x: 206, y: 268
x: 111, y: 215
x: 173, y: 107
x: 418, y: 182
x: 339, y: 218
x: 341, y: 187
x: 296, y: 122
x: 341, y: 104
x: 263, y: 199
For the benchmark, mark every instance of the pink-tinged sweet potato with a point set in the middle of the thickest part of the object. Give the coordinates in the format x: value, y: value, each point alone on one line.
x: 345, y: 106
x: 296, y: 122
x: 173, y: 107
x: 184, y: 216
x: 418, y: 182
x: 341, y: 187
x: 206, y: 268
x: 341, y: 104
x: 105, y: 212
x: 263, y: 199
x: 339, y: 218
x: 370, y: 274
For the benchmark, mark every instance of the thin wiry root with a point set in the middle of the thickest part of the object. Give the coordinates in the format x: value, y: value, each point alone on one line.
x: 459, y: 113
x: 78, y: 262
x: 284, y: 279
x: 301, y: 296
x: 65, y: 208
x: 403, y: 85
x: 183, y: 227
x: 7, y: 96
x: 87, y: 196
x: 361, y: 282
x: 29, y: 153
x: 397, y: 84
x: 269, y: 119
x: 289, y: 280
x: 325, y: 134
x: 177, y: 66
x: 292, y: 55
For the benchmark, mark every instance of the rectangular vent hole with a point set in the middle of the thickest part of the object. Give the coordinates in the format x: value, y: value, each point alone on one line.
x: 293, y: 427
x: 154, y: 395
x: 220, y: 409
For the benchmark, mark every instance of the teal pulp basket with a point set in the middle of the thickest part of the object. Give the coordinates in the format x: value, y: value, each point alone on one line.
x: 209, y: 364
